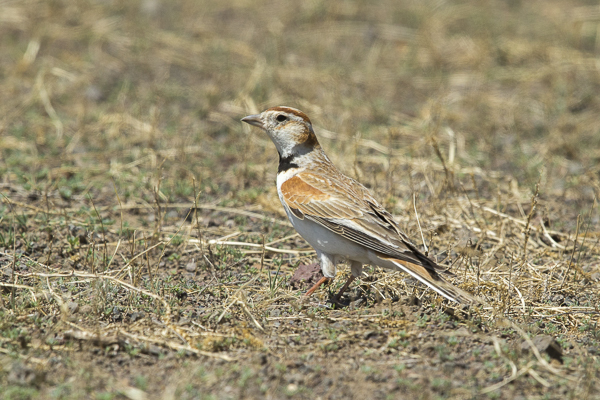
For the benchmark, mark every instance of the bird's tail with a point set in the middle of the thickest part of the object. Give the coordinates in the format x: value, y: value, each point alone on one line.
x: 431, y: 278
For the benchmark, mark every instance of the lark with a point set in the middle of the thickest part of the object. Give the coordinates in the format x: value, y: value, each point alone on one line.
x: 337, y: 215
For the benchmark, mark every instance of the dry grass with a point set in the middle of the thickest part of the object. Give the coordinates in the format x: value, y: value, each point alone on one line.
x: 143, y: 252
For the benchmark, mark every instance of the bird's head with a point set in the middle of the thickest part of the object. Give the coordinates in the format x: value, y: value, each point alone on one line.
x: 290, y: 129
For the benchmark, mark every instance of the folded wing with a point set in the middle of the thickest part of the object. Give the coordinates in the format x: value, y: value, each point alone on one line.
x: 345, y: 207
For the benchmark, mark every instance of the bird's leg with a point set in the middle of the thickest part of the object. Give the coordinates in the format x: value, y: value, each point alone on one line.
x: 316, y: 286
x: 356, y: 268
x: 344, y: 288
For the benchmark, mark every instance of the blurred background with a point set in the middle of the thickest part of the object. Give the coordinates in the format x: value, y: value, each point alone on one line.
x: 132, y: 92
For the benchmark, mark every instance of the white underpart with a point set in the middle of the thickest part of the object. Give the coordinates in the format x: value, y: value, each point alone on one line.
x: 330, y: 247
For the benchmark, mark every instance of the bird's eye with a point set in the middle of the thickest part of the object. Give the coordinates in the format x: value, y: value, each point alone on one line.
x: 281, y: 118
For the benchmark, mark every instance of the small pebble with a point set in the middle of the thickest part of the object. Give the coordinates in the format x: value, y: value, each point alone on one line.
x: 191, y: 267
x: 73, y: 307
x: 86, y: 309
x: 93, y: 93
x: 136, y: 316
x: 172, y: 214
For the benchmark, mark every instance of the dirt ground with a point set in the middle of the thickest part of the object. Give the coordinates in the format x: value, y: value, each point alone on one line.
x: 144, y: 253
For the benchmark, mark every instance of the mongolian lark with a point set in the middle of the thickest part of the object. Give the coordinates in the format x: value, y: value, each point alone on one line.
x: 336, y: 214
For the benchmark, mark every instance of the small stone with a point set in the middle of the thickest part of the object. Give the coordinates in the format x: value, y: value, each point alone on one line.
x: 93, y: 93
x: 151, y: 349
x: 545, y: 344
x: 261, y: 359
x: 117, y: 315
x: 414, y: 301
x: 22, y: 375
x: 33, y: 196
x: 135, y: 316
x: 191, y: 267
x: 73, y: 307
x: 150, y: 7
x: 462, y: 332
x: 449, y: 311
x: 80, y: 233
x: 356, y: 303
x: 86, y: 309
x: 306, y: 275
x: 292, y: 388
x: 172, y: 214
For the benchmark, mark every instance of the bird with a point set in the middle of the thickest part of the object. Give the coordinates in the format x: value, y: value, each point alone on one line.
x: 337, y: 215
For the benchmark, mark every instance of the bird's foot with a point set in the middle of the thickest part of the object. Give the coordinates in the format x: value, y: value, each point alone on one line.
x: 316, y: 285
x: 336, y: 300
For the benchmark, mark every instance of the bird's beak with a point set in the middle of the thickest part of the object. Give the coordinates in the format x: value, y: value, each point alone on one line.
x: 254, y: 120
